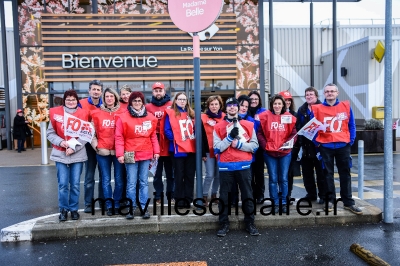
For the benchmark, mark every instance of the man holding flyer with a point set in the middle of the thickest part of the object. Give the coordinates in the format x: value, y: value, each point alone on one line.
x: 235, y: 142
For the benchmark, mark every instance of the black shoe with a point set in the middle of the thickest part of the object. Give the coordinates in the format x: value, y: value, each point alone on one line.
x: 146, y: 215
x: 19, y: 152
x: 224, y: 229
x: 88, y: 209
x: 131, y: 216
x: 330, y: 207
x: 310, y: 198
x: 353, y: 209
x: 63, y: 216
x: 110, y: 212
x: 24, y: 150
x: 321, y: 201
x: 251, y: 228
x: 259, y: 201
x: 74, y: 215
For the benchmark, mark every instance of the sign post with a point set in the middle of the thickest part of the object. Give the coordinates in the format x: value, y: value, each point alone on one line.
x: 194, y: 16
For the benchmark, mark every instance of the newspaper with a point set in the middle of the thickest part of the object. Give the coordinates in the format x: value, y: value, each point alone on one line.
x: 153, y: 166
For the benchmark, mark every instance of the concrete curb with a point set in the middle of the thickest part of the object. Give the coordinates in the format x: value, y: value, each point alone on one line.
x: 48, y: 227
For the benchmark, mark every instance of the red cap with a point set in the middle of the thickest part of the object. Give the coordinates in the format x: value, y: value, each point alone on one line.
x: 158, y: 85
x: 19, y: 111
x: 285, y: 95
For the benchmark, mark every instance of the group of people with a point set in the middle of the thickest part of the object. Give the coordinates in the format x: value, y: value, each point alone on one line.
x: 130, y: 135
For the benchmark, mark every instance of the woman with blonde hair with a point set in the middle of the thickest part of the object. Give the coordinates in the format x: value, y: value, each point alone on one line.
x: 212, y: 115
x: 124, y: 94
x: 179, y: 130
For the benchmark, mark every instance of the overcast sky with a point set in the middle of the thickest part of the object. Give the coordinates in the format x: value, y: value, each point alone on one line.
x: 299, y: 13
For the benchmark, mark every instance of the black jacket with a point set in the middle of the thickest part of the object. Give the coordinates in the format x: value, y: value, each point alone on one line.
x: 19, y: 129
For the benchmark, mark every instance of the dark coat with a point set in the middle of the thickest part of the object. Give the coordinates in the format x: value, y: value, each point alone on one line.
x: 20, y: 129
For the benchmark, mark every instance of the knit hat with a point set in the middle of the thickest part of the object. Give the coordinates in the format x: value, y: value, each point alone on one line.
x: 158, y: 85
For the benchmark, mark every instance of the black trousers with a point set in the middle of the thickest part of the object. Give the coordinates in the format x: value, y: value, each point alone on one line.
x: 308, y: 166
x: 184, y: 171
x: 257, y: 175
x: 243, y: 179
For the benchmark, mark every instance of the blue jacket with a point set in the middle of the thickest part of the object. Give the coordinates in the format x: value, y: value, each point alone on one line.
x: 352, y: 130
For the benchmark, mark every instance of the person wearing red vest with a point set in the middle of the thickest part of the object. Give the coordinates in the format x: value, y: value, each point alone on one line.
x: 124, y: 94
x: 212, y: 115
x: 335, y: 145
x: 234, y: 149
x: 179, y: 130
x: 89, y: 104
x: 277, y: 127
x: 135, y: 136
x: 160, y: 101
x: 69, y: 158
x: 103, y: 143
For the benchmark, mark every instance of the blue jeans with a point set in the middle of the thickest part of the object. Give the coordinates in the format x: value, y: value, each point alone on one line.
x: 20, y: 144
x: 164, y: 162
x: 278, y: 168
x: 69, y: 176
x: 105, y: 166
x: 138, y: 171
x: 212, y: 176
x: 90, y: 169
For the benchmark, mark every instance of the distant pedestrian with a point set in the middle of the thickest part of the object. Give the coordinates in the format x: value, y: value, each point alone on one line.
x: 20, y: 130
x: 124, y: 94
x: 335, y: 145
x: 69, y: 159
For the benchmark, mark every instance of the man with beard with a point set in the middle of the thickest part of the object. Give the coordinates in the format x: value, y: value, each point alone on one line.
x: 89, y: 104
x: 159, y: 102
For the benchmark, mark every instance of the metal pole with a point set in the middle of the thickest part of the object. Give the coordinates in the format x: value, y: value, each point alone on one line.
x: 197, y: 106
x: 17, y: 48
x: 334, y: 40
x: 271, y: 49
x: 361, y: 169
x: 261, y: 50
x: 388, y: 134
x: 94, y: 7
x: 43, y: 139
x: 5, y: 74
x: 312, y: 43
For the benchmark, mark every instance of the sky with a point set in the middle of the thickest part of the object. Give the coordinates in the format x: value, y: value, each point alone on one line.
x: 299, y: 13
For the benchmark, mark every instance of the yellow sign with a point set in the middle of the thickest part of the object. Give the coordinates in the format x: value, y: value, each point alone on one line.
x: 379, y: 51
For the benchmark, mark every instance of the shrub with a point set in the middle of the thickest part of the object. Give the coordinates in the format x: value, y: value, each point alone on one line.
x: 373, y: 124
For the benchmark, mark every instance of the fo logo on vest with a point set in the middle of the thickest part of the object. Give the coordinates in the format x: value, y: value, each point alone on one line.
x: 186, y: 127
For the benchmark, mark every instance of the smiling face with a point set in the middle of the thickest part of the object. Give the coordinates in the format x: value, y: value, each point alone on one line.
x: 95, y: 91
x: 181, y: 101
x: 288, y: 102
x: 158, y: 93
x: 109, y: 99
x: 311, y: 98
x: 125, y: 95
x: 214, y: 106
x: 71, y: 102
x: 277, y: 106
x: 232, y: 109
x: 254, y: 100
x: 244, y: 106
x: 137, y: 104
x: 331, y: 93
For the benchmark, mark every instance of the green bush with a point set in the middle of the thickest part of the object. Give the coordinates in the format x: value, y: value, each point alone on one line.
x: 373, y: 124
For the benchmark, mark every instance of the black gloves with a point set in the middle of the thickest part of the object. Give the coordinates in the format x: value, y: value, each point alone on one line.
x: 234, y: 132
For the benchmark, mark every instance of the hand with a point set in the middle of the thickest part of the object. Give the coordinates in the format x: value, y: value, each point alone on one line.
x: 64, y: 144
x: 235, y: 143
x: 204, y: 159
x: 69, y: 151
x: 234, y: 132
x: 156, y: 156
x: 121, y: 159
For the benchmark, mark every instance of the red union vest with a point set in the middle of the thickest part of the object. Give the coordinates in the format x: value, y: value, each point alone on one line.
x: 137, y: 131
x: 158, y: 112
x: 276, y: 133
x: 104, y: 124
x: 57, y: 121
x: 183, y: 128
x: 209, y: 124
x: 87, y: 106
x: 337, y: 117
x: 233, y: 154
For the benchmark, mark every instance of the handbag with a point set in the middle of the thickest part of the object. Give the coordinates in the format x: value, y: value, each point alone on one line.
x: 129, y: 157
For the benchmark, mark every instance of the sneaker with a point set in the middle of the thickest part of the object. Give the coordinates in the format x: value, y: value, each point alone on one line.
x: 110, y: 212
x: 330, y: 207
x: 172, y: 202
x: 158, y: 202
x: 353, y: 209
x: 74, y: 215
x: 224, y: 229
x: 251, y: 228
x: 88, y: 209
x: 146, y: 215
x: 131, y: 216
x: 63, y: 216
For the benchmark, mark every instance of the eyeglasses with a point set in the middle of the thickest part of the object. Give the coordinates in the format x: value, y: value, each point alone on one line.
x: 254, y: 99
x: 137, y: 101
x: 231, y: 105
x: 182, y: 100
x: 332, y: 91
x: 70, y: 100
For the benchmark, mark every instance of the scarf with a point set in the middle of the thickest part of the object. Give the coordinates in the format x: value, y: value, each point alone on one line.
x: 160, y: 102
x: 91, y: 102
x: 212, y: 115
x: 141, y: 113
